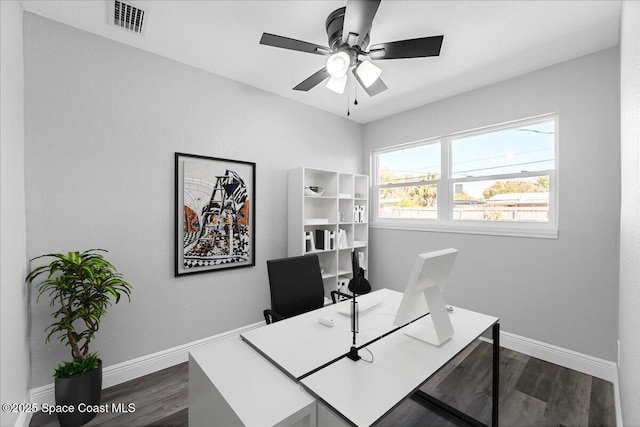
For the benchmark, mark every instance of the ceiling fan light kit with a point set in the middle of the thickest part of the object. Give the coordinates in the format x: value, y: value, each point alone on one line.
x: 367, y: 72
x: 338, y: 64
x: 348, y: 31
x: 337, y: 84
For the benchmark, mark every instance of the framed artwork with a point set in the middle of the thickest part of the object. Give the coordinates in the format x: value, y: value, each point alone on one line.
x: 215, y: 214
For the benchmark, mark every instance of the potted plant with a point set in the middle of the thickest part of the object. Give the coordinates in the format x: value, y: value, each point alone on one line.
x: 81, y: 287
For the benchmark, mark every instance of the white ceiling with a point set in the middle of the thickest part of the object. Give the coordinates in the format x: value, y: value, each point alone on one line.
x: 485, y: 42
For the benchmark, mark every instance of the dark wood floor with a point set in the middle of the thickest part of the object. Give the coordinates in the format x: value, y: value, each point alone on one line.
x: 532, y: 393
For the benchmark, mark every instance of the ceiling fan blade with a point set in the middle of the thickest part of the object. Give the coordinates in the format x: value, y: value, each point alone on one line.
x: 377, y: 86
x: 358, y: 18
x: 313, y: 80
x: 293, y: 44
x: 412, y: 48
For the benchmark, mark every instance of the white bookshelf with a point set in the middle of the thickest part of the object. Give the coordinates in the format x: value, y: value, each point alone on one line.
x: 341, y: 209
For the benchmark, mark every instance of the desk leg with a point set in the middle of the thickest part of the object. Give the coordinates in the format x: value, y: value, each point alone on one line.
x: 423, y: 397
x: 495, y: 389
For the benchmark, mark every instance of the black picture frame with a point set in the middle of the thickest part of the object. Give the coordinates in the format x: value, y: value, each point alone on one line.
x: 214, y: 214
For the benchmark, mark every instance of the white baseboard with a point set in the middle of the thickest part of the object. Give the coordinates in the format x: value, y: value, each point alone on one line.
x: 24, y: 418
x: 589, y: 365
x: 616, y: 396
x: 131, y: 369
x: 599, y: 368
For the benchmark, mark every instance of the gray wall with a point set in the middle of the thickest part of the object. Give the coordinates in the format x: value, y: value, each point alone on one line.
x: 13, y: 260
x: 103, y: 121
x: 562, y: 292
x: 629, y: 373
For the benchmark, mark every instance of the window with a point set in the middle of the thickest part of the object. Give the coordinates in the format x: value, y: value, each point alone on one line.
x: 497, y: 180
x: 408, y: 180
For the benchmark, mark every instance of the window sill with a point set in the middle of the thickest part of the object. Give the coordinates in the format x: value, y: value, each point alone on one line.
x: 528, y: 230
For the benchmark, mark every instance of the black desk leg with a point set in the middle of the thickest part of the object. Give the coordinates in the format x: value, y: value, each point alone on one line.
x: 496, y: 375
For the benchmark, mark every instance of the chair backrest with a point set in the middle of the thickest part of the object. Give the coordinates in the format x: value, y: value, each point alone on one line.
x: 296, y: 285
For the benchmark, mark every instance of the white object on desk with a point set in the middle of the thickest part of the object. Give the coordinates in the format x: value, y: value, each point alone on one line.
x: 364, y: 305
x: 436, y: 328
x: 231, y: 384
x: 326, y: 321
x: 424, y: 292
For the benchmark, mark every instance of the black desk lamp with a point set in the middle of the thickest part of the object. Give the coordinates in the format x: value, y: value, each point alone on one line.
x: 357, y: 285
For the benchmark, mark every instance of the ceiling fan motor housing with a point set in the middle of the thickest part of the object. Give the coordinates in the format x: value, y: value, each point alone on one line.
x: 334, y: 24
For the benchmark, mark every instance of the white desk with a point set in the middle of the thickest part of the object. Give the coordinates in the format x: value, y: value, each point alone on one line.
x: 364, y: 392
x: 231, y: 385
x: 300, y: 345
x: 311, y: 355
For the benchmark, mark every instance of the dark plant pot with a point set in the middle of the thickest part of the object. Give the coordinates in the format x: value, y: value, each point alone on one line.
x: 82, y: 388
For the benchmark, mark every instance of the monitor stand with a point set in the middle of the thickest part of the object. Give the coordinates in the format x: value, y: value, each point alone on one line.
x: 435, y: 328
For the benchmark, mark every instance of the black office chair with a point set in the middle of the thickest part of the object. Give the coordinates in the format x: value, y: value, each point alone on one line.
x: 296, y: 287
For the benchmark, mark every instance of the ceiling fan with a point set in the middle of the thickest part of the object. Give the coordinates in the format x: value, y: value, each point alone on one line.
x: 348, y: 31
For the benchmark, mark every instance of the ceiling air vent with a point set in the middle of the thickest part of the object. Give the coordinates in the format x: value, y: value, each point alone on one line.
x: 128, y: 16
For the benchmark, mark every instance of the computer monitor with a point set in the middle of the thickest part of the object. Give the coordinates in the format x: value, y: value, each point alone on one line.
x: 424, y: 294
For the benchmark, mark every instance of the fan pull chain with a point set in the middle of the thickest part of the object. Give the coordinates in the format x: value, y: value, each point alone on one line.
x: 355, y: 98
x: 355, y: 94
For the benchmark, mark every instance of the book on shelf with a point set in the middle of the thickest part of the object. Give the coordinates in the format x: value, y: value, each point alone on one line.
x: 323, y: 240
x: 309, y: 242
x: 342, y: 239
x: 359, y: 214
x: 316, y: 221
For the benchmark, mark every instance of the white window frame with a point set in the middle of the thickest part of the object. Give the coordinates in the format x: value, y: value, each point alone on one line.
x: 445, y: 222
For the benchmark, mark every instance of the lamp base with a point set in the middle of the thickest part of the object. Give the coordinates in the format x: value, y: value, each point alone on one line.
x: 353, y: 354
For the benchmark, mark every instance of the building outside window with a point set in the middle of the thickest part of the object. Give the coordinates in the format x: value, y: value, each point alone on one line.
x: 496, y: 180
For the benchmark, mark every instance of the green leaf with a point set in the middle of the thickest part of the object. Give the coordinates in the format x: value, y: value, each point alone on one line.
x: 77, y: 366
x: 79, y: 285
